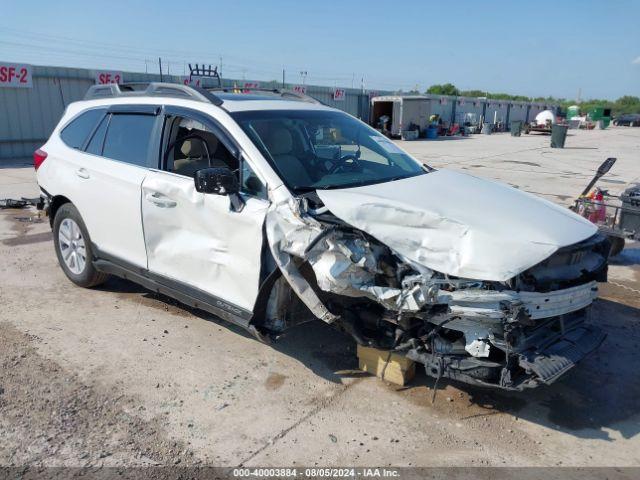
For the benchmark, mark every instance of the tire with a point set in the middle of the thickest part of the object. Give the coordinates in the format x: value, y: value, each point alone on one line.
x: 617, y: 245
x: 73, y: 248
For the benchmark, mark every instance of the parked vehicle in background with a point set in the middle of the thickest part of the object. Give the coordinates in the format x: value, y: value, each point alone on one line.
x: 628, y: 120
x: 270, y: 210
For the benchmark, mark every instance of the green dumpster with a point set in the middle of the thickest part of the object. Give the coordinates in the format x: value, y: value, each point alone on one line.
x: 516, y: 128
x: 558, y: 135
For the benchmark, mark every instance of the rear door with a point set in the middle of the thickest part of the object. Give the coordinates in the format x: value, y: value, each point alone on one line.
x: 197, y: 239
x: 116, y: 161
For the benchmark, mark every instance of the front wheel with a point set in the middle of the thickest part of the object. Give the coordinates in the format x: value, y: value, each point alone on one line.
x: 73, y: 248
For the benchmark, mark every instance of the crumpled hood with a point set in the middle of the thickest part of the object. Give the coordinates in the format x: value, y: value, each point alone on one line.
x: 459, y: 224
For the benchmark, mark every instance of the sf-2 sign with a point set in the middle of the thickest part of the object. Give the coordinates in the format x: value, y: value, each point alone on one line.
x: 16, y: 75
x: 104, y: 77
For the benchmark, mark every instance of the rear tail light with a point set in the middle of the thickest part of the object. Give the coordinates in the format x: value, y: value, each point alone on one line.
x: 39, y: 156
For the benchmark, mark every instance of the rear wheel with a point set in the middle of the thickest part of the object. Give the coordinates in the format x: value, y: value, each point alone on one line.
x: 73, y: 248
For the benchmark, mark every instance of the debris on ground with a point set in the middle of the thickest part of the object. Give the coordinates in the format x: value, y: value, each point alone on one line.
x: 12, y: 203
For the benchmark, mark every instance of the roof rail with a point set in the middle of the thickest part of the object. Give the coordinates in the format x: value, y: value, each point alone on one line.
x: 277, y: 91
x: 302, y: 96
x: 182, y: 91
x: 151, y: 89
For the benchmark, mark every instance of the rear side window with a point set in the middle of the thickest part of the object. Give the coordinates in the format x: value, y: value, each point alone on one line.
x: 128, y: 138
x: 97, y: 140
x: 76, y: 133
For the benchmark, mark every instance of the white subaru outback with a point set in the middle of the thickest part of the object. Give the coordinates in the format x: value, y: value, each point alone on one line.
x: 269, y: 209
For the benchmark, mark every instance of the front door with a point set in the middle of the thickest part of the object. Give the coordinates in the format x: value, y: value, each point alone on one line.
x: 194, y: 238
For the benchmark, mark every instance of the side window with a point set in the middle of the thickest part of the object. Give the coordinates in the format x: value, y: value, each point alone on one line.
x: 191, y: 146
x: 251, y: 184
x: 128, y: 138
x: 75, y: 134
x: 97, y: 140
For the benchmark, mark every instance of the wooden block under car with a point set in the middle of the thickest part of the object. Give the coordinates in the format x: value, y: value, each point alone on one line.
x: 400, y: 370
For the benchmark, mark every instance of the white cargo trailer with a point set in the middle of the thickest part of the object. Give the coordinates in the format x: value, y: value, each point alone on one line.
x: 402, y: 111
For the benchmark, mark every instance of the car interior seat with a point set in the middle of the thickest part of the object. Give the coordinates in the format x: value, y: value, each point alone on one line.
x: 279, y: 142
x: 197, y: 153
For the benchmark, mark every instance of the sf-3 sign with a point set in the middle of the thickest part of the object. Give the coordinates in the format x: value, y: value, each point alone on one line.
x: 16, y: 75
x: 104, y: 77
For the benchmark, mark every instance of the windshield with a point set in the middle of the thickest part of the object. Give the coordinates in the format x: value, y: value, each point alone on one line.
x: 319, y: 149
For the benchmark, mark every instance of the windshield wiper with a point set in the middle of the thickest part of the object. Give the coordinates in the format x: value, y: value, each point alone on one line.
x: 303, y: 189
x: 306, y: 189
x: 361, y: 183
x: 347, y: 185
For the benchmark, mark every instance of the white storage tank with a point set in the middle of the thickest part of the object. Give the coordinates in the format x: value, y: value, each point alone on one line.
x: 544, y: 117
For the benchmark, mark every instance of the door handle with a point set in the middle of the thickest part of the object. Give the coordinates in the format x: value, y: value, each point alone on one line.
x: 160, y: 200
x: 82, y: 173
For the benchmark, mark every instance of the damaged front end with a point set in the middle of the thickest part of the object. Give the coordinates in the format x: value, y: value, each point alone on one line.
x: 522, y: 332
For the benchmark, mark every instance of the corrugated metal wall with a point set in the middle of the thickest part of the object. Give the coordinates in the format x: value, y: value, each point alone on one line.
x: 468, y: 105
x: 453, y: 108
x: 28, y: 115
x: 518, y: 112
x: 496, y: 111
x: 443, y: 106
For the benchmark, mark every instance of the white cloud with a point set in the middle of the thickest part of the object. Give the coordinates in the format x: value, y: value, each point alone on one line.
x: 636, y: 60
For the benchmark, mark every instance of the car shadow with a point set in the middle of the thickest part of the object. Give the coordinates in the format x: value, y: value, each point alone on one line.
x: 628, y: 257
x: 126, y: 289
x: 598, y: 396
x: 327, y: 352
x: 580, y: 148
x: 445, y: 138
x: 594, y: 400
x: 324, y: 350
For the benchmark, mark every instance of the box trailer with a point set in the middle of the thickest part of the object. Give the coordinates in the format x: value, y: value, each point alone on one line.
x: 402, y: 111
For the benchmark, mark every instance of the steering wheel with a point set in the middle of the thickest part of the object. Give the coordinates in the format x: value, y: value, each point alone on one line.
x: 342, y: 162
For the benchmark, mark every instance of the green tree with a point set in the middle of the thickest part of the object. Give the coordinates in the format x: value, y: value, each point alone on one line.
x: 628, y: 100
x: 473, y: 93
x: 444, y: 89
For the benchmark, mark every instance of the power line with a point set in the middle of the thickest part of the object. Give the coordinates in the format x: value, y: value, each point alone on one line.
x: 78, y: 49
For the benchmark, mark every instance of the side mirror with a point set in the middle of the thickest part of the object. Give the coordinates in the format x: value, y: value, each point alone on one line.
x: 219, y: 181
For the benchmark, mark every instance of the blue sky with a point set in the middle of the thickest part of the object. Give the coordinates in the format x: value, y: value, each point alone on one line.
x: 534, y: 48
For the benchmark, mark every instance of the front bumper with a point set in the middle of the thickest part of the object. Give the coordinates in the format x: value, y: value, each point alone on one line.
x: 545, y: 355
x: 546, y: 365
